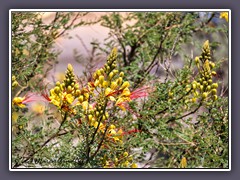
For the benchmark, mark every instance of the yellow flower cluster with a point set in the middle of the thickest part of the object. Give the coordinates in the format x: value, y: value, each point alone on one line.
x: 224, y: 15
x: 109, y: 82
x: 203, y: 86
x: 63, y: 94
x: 106, y: 89
x: 124, y: 160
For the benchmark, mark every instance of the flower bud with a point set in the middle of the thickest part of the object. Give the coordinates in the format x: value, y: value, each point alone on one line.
x: 69, y: 89
x: 119, y: 81
x: 125, y: 154
x: 80, y: 99
x: 214, y: 91
x: 57, y: 90
x: 121, y: 74
x: 101, y: 79
x: 125, y: 85
x: 110, y: 75
x: 86, y: 95
x: 90, y: 117
x: 215, y: 97
x: 197, y: 60
x: 99, y: 72
x: 96, y: 83
x: 70, y: 68
x: 78, y: 92
x: 215, y: 85
x: 204, y: 95
x: 214, y: 73
x: 113, y: 85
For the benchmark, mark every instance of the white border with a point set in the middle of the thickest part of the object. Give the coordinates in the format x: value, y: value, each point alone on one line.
x: 119, y: 10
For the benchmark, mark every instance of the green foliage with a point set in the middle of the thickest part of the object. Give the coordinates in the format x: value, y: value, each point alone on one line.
x: 176, y: 117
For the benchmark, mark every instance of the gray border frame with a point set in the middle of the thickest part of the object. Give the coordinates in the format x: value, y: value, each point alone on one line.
x: 10, y: 4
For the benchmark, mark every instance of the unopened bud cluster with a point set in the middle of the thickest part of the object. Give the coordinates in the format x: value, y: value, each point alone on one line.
x: 202, y: 87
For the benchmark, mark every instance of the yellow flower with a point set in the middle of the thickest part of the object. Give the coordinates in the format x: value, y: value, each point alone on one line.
x: 108, y: 91
x: 85, y: 105
x: 224, y: 15
x: 55, y: 102
x: 69, y: 98
x: 18, y: 101
x: 126, y: 92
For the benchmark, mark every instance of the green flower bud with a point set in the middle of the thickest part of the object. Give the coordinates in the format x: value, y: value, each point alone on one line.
x: 215, y: 97
x: 215, y: 85
x: 204, y: 95
x: 214, y: 91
